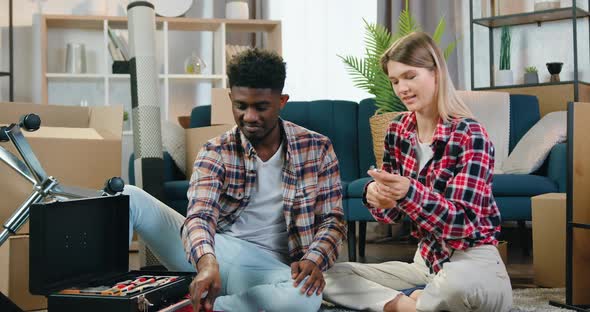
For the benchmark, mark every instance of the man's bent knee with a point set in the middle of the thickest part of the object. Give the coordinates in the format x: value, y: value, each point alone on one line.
x: 294, y: 301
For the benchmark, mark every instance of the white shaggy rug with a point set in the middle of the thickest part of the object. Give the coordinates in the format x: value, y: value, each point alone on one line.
x: 537, y: 299
x: 525, y: 300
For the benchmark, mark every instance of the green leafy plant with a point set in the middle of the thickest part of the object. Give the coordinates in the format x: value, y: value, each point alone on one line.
x: 530, y: 69
x: 125, y: 116
x: 505, y: 48
x: 366, y: 72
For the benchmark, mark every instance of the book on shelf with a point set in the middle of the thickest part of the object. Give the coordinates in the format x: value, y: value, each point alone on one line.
x: 122, y: 43
x: 115, y: 53
x: 116, y: 41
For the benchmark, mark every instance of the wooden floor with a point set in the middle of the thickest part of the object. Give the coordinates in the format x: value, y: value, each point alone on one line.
x: 519, y: 266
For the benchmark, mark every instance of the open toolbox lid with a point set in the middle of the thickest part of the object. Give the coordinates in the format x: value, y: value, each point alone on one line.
x: 76, y: 242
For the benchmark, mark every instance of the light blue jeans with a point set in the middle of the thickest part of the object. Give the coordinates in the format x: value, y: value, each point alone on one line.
x: 251, y: 278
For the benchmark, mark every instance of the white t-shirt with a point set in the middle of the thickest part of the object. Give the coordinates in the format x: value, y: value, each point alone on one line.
x: 423, y: 153
x: 262, y: 222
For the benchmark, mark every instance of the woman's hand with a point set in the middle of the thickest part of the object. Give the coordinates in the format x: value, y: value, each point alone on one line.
x: 378, y: 198
x: 389, y: 186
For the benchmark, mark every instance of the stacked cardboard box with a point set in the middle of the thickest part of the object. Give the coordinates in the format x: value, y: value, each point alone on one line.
x: 548, y: 212
x: 79, y: 146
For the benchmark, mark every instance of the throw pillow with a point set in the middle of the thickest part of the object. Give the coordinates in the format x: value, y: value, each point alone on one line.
x: 534, y: 147
x: 173, y: 142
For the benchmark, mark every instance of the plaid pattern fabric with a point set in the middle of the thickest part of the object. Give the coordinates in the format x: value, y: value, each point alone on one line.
x: 450, y: 201
x: 224, y: 175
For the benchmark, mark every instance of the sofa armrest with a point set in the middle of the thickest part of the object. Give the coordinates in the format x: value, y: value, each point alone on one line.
x: 557, y: 166
x: 171, y: 171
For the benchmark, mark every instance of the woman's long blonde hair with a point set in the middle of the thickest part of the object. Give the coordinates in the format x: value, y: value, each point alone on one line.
x: 419, y: 50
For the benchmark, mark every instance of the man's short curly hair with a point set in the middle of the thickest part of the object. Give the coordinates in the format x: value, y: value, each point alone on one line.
x: 256, y: 68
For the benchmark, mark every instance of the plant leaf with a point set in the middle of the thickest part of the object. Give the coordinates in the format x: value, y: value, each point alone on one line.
x: 366, y: 72
x: 439, y: 31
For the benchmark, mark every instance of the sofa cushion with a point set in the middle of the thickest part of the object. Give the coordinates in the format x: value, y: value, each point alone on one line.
x: 176, y: 189
x: 354, y: 210
x: 334, y: 119
x: 525, y: 185
x: 175, y: 195
x: 514, y: 208
x: 357, y: 187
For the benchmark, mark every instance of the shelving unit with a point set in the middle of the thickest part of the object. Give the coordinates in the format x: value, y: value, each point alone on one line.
x: 10, y: 72
x: 57, y: 30
x: 553, y: 96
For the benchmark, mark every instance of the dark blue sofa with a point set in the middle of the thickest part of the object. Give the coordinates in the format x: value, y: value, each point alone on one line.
x: 347, y: 125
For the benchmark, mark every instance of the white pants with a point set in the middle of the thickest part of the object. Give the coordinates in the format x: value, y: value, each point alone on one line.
x: 474, y: 280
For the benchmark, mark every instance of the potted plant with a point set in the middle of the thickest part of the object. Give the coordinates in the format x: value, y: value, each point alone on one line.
x: 530, y: 75
x: 367, y: 74
x: 504, y: 75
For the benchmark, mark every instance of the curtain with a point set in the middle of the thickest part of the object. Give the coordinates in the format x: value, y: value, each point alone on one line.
x: 427, y: 14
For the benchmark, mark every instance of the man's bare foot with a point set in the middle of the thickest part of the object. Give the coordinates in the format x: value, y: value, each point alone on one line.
x: 401, y: 303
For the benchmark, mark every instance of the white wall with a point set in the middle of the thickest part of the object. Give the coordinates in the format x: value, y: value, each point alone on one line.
x: 314, y: 33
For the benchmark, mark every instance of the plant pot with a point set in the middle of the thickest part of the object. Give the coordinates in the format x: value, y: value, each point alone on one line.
x: 531, y: 78
x: 554, y: 69
x: 504, y: 77
x: 379, y: 124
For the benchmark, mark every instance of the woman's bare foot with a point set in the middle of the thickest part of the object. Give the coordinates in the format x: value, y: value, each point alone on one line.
x: 416, y: 294
x: 401, y: 303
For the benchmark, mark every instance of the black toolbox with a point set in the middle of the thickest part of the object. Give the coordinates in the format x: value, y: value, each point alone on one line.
x: 84, y: 244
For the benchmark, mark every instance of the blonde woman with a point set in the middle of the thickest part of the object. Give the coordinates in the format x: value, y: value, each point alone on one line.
x: 437, y: 171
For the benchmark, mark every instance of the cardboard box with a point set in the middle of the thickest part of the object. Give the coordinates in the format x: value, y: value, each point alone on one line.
x: 196, y: 138
x: 503, y: 250
x: 79, y: 146
x: 14, y: 274
x: 548, y: 211
x: 221, y: 107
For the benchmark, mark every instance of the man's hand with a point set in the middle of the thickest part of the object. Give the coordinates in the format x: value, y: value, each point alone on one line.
x: 207, y: 281
x: 390, y: 186
x: 315, y: 282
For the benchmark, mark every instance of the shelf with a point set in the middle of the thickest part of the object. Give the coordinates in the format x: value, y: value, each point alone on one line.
x: 73, y: 76
x: 193, y: 77
x: 119, y: 76
x: 4, y: 74
x: 544, y: 84
x: 174, y: 23
x: 530, y: 17
x: 170, y: 76
x: 250, y: 25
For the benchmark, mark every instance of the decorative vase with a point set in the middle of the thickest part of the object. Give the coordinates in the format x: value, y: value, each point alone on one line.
x: 76, y: 58
x: 194, y: 64
x: 237, y: 9
x: 531, y: 78
x: 504, y: 77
